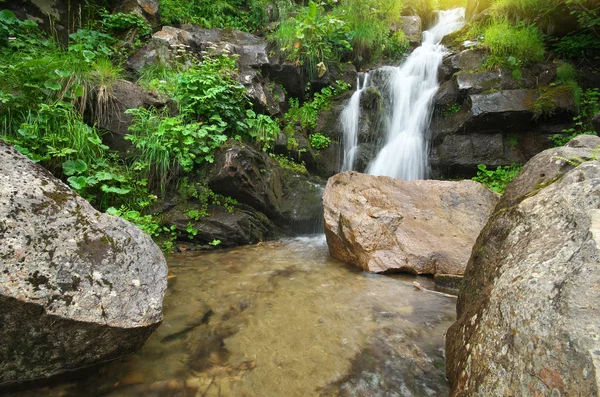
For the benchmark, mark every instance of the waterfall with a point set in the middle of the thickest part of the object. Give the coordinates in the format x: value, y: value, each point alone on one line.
x: 350, y: 118
x: 411, y: 88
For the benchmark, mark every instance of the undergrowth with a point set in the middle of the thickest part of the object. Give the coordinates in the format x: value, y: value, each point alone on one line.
x: 497, y: 179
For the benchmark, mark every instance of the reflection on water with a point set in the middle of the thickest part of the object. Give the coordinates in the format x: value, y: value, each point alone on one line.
x: 282, y: 319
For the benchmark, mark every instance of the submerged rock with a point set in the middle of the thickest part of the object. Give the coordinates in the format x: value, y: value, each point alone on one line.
x: 528, y: 306
x: 77, y: 287
x: 382, y: 224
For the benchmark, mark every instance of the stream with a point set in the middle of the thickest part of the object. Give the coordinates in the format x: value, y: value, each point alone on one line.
x: 280, y: 319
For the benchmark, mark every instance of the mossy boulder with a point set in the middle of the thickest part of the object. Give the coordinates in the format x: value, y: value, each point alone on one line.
x: 77, y: 287
x: 527, y: 309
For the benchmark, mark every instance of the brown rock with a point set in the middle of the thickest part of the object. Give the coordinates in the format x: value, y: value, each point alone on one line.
x: 385, y: 224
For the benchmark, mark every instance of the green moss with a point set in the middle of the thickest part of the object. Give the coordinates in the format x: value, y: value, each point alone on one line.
x: 551, y: 97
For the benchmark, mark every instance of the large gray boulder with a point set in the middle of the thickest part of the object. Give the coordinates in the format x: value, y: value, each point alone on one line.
x: 528, y: 307
x: 383, y: 224
x: 77, y: 287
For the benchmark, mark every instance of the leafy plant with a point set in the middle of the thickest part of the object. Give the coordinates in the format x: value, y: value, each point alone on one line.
x: 451, y: 110
x: 312, y: 38
x: 497, y: 179
x: 167, y: 145
x: 396, y: 46
x: 319, y: 141
x: 248, y: 16
x: 290, y: 164
x: 307, y: 115
x: 263, y: 129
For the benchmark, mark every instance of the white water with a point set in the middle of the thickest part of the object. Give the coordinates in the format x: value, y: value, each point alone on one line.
x: 350, y: 118
x: 412, y: 86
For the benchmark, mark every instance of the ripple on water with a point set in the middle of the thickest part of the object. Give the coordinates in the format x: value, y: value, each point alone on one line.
x: 282, y: 319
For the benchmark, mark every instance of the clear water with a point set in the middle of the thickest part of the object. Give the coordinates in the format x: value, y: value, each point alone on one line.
x: 281, y: 319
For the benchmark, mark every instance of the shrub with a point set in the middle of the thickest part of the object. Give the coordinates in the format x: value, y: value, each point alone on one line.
x: 498, y: 179
x: 167, y: 145
x: 319, y: 141
x: 313, y: 38
x: 396, y: 46
x: 308, y: 114
x: 243, y: 15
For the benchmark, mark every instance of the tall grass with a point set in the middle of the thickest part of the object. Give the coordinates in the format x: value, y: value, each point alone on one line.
x: 522, y: 42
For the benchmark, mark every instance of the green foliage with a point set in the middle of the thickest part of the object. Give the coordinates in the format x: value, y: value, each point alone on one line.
x: 312, y: 38
x: 248, y: 16
x: 288, y: 163
x: 263, y: 129
x: 566, y: 72
x: 396, y: 46
x: 308, y: 114
x: 498, y: 179
x: 451, y: 110
x: 584, y: 41
x: 88, y: 42
x: 208, y: 92
x: 168, y: 145
x: 319, y: 141
x: 54, y: 133
x: 542, y: 13
x: 522, y: 42
x: 369, y: 22
x: 590, y: 106
x: 124, y: 22
x: 149, y: 224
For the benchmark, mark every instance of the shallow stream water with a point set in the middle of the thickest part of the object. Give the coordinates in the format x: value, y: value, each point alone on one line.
x: 282, y: 319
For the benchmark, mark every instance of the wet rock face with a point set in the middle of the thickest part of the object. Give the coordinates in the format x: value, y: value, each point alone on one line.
x: 291, y: 201
x: 527, y: 309
x: 242, y: 225
x: 520, y: 113
x: 146, y: 8
x: 383, y: 224
x: 77, y: 287
x: 112, y: 117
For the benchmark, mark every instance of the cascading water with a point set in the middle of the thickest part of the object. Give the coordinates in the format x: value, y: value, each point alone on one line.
x: 411, y: 88
x: 350, y: 118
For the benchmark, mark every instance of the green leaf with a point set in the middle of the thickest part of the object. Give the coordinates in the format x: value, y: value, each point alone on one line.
x: 7, y: 16
x: 77, y: 90
x: 62, y: 73
x: 115, y: 190
x: 104, y: 176
x: 113, y: 211
x: 78, y: 183
x: 52, y: 85
x: 72, y: 167
x: 88, y: 55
